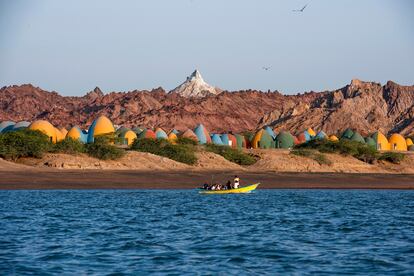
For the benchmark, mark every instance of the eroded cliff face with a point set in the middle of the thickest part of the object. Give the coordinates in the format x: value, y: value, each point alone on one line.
x: 364, y: 106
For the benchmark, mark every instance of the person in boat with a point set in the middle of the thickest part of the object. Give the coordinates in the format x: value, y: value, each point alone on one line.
x: 228, y: 185
x: 236, y: 182
x: 205, y: 186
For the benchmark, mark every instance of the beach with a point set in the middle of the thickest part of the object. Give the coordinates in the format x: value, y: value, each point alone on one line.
x: 39, y: 179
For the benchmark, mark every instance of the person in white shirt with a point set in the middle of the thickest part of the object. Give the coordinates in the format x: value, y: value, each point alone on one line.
x: 236, y: 182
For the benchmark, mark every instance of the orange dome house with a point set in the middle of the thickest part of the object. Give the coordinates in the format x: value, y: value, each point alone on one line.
x: 46, y: 128
x: 397, y: 142
x: 311, y: 132
x: 381, y: 141
x: 101, y: 126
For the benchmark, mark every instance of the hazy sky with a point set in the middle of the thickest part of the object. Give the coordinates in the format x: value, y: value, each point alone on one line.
x: 73, y: 46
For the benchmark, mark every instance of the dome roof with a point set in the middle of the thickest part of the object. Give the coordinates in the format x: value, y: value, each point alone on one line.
x: 311, y: 132
x: 333, y: 138
x: 6, y: 125
x: 101, y: 126
x: 160, y: 134
x: 304, y: 137
x: 172, y: 137
x: 64, y: 131
x: 347, y: 134
x: 45, y: 127
x: 241, y: 141
x: 202, y: 133
x: 262, y: 140
x: 189, y: 134
x: 59, y: 135
x: 147, y: 133
x: 371, y: 142
x: 270, y: 131
x: 76, y: 133
x: 137, y: 130
x: 129, y: 135
x: 284, y: 140
x: 321, y: 135
x: 357, y: 138
x: 216, y: 139
x: 381, y: 141
x: 21, y: 125
x: 397, y: 142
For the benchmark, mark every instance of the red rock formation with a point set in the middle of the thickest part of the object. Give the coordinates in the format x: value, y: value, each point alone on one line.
x: 364, y: 106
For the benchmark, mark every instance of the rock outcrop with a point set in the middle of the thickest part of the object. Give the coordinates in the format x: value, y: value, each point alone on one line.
x: 364, y: 106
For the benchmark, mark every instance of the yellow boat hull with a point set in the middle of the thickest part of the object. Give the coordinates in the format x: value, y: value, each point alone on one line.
x: 242, y: 190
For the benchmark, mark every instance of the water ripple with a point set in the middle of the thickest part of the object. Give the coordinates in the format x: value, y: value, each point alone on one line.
x: 181, y: 232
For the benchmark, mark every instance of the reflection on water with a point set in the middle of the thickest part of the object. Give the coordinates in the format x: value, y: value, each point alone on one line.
x: 269, y: 231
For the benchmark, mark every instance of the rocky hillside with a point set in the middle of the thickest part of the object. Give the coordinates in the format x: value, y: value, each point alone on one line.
x: 365, y: 106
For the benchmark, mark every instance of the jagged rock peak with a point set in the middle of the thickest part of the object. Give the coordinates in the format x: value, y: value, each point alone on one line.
x: 195, y: 86
x: 95, y: 93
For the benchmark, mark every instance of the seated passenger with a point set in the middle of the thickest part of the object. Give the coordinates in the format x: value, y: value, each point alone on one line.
x: 228, y: 185
x: 236, y: 182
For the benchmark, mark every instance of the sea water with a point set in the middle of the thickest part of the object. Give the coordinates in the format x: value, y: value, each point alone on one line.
x: 182, y: 232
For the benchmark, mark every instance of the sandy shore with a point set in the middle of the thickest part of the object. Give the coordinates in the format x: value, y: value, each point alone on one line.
x: 107, y: 179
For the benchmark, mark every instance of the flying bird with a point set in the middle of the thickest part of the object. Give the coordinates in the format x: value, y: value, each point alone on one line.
x: 301, y: 10
x: 265, y: 68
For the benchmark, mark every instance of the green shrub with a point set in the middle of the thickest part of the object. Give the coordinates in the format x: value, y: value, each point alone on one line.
x: 393, y: 157
x: 23, y: 143
x: 358, y: 150
x: 184, y: 153
x: 69, y: 146
x: 101, y: 149
x: 312, y: 154
x: 232, y: 154
x: 186, y: 141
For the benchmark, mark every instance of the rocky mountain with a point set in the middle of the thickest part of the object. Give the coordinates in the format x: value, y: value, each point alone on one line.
x: 364, y: 106
x: 195, y: 86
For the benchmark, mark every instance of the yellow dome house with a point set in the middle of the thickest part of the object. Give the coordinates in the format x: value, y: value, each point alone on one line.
x: 100, y: 126
x: 64, y: 131
x: 381, y: 141
x: 59, y: 135
x: 409, y: 142
x: 172, y: 137
x: 45, y: 127
x: 397, y: 142
x: 333, y: 138
x: 129, y: 136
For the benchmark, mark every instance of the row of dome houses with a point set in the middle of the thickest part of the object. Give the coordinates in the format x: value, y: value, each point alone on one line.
x: 264, y: 138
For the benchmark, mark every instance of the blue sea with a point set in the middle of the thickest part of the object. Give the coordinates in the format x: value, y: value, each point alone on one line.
x: 75, y: 232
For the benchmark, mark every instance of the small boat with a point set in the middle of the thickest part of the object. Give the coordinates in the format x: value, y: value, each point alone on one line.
x: 242, y: 190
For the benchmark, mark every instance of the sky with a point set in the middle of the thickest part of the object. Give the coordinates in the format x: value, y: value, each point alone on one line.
x: 73, y: 46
